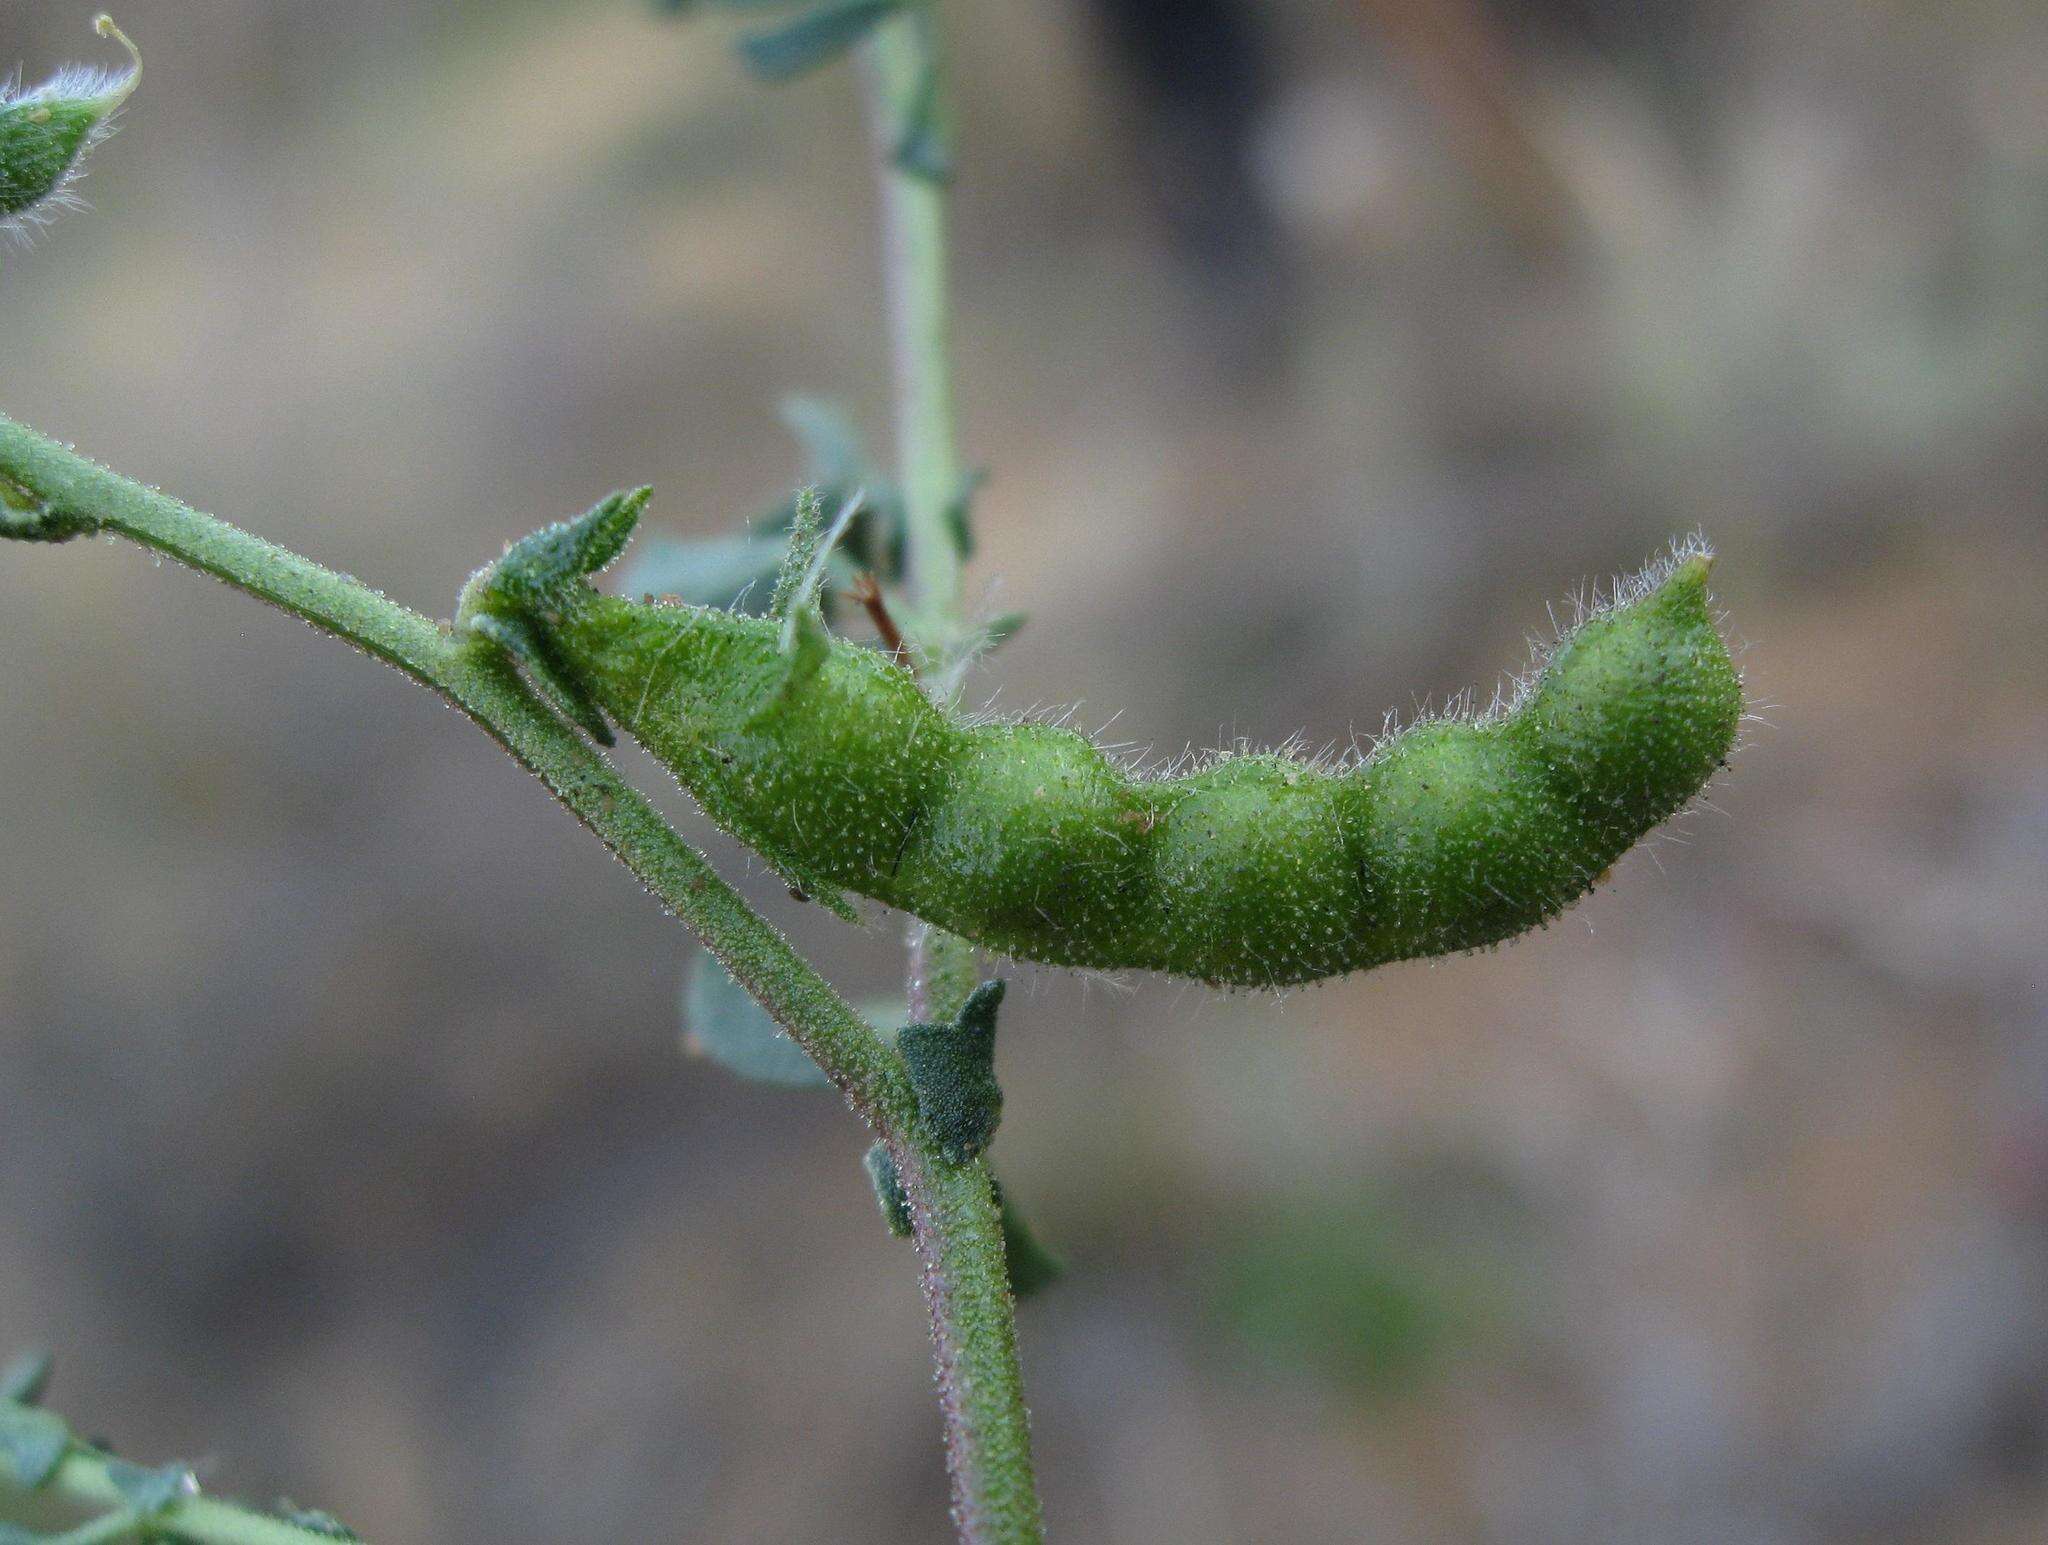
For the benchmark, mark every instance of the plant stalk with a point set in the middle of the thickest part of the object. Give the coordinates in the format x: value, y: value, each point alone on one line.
x: 85, y: 1480
x: 902, y: 70
x: 958, y: 1231
x: 955, y: 1220
x: 73, y: 494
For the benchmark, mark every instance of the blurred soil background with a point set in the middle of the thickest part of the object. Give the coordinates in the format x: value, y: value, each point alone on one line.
x: 345, y: 1142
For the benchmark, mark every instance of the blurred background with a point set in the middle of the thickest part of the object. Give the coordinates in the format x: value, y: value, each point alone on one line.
x: 1316, y: 348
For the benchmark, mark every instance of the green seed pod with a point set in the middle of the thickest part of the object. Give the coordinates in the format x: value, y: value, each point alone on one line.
x: 45, y: 133
x: 1257, y: 870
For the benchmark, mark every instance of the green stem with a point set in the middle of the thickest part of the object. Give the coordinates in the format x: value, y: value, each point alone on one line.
x: 84, y: 1480
x: 958, y: 1231
x: 103, y: 1530
x: 902, y: 61
x: 955, y: 1219
x: 72, y: 494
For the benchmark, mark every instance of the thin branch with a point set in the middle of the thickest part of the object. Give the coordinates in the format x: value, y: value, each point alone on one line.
x: 955, y: 1219
x: 902, y: 63
x: 957, y: 1227
x: 73, y: 494
x: 84, y: 1480
x: 865, y: 593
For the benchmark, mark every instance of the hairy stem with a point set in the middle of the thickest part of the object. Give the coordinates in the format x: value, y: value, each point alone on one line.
x: 70, y: 495
x: 902, y: 65
x: 957, y: 1226
x: 955, y: 1218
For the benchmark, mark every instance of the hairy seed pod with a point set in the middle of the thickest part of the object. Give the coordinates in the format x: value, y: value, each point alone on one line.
x: 1256, y: 869
x: 45, y: 133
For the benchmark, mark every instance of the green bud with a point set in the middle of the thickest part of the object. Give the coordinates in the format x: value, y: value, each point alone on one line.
x: 45, y: 134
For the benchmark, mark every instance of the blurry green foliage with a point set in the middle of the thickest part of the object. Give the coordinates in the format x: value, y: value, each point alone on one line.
x: 1355, y: 1291
x: 723, y: 1023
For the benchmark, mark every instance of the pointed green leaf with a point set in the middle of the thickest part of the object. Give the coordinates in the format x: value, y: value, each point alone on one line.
x: 834, y: 452
x: 813, y: 40
x: 804, y: 568
x: 32, y: 1444
x: 960, y: 511
x: 25, y: 1378
x: 537, y: 568
x: 722, y: 1023
x: 1033, y: 1268
x: 736, y: 573
x: 889, y: 1192
x: 805, y: 530
x: 152, y: 1489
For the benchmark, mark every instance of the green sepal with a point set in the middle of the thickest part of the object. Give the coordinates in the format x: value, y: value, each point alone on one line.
x: 537, y: 569
x: 812, y: 40
x: 513, y: 602
x: 517, y: 639
x: 804, y: 565
x: 32, y: 1444
x: 953, y: 1072
x: 806, y: 529
x: 806, y: 646
x: 889, y: 1193
x: 40, y: 143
